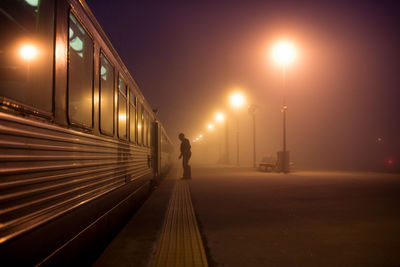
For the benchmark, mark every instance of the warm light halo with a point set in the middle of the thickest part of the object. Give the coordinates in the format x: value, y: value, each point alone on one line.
x: 28, y: 52
x: 237, y: 99
x: 219, y: 117
x: 284, y: 52
x: 210, y: 127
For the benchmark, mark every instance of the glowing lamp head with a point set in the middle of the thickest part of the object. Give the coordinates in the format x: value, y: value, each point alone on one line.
x: 284, y: 52
x: 220, y: 117
x: 237, y: 100
x: 28, y: 52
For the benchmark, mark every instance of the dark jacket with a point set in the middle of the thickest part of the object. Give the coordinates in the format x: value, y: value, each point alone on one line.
x: 185, y: 148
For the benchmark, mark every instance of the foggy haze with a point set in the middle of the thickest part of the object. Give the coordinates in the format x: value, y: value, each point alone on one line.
x: 342, y: 89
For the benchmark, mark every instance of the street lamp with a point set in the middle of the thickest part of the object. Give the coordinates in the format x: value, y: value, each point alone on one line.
x: 284, y: 53
x: 220, y: 117
x: 237, y: 101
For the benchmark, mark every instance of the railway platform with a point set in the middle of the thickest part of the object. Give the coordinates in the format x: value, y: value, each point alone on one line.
x: 164, y: 232
x: 230, y: 216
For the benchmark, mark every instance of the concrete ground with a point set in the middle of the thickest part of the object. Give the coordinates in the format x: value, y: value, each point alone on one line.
x: 136, y: 243
x: 250, y: 218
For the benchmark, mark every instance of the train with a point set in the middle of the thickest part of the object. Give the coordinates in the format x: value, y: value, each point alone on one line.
x: 80, y: 145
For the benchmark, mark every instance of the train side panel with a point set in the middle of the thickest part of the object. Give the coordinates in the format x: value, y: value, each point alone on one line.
x: 74, y: 162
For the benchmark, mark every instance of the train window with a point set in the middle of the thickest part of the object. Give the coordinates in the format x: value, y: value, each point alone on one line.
x: 139, y: 123
x: 144, y: 123
x: 80, y: 74
x: 106, y: 96
x: 132, y: 116
x: 149, y: 129
x: 122, y: 89
x: 26, y: 52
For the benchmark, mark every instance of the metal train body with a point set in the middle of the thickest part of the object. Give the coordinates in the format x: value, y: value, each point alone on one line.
x: 79, y: 144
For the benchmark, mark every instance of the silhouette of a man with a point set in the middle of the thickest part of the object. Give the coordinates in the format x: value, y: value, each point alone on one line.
x: 185, y: 154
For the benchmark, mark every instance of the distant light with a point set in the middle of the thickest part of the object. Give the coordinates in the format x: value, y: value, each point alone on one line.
x: 220, y: 117
x: 284, y: 52
x: 210, y: 126
x: 390, y: 161
x: 237, y: 99
x: 197, y: 139
x: 28, y: 52
x: 200, y: 136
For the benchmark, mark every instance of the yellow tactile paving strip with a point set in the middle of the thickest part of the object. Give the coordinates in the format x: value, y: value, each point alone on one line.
x: 180, y: 242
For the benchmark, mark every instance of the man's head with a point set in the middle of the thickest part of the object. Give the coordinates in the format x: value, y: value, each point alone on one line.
x: 181, y: 136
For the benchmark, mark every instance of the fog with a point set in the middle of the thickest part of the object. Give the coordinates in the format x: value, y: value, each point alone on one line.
x: 342, y: 89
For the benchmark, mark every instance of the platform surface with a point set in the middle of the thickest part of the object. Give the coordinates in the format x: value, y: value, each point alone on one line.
x: 252, y: 218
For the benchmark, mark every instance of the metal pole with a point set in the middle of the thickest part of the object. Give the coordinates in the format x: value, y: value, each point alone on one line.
x: 226, y: 160
x: 237, y: 140
x: 284, y: 130
x: 284, y: 108
x: 254, y: 141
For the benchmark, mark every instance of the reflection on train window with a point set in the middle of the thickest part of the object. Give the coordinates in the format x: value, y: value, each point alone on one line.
x: 142, y: 122
x: 26, y: 52
x: 132, y: 116
x: 148, y: 129
x: 145, y: 128
x: 122, y: 88
x: 139, y: 123
x: 106, y: 96
x: 80, y: 72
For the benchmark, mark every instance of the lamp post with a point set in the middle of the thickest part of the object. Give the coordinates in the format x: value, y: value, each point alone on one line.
x: 220, y: 118
x: 284, y: 53
x: 252, y: 112
x: 237, y: 101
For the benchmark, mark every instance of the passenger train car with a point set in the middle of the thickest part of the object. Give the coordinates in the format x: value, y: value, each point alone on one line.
x: 80, y: 145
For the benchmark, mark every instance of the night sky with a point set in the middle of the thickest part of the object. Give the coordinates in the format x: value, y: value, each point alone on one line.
x: 343, y: 89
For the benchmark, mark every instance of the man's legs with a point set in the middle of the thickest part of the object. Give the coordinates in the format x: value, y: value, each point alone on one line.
x: 186, y: 167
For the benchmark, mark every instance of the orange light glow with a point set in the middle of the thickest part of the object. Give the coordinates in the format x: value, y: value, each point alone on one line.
x: 28, y: 52
x: 237, y: 100
x: 284, y: 52
x: 220, y: 117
